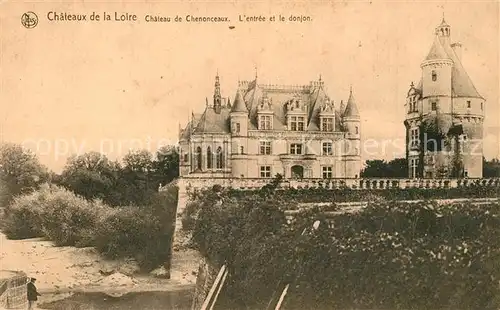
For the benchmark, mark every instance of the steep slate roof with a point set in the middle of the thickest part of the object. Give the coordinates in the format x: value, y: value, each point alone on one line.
x: 249, y: 96
x: 351, y: 110
x: 461, y: 84
x: 437, y: 51
x: 212, y: 122
x: 312, y: 95
x: 239, y: 104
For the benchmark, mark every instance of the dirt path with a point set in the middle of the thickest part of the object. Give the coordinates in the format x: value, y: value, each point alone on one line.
x: 66, y: 270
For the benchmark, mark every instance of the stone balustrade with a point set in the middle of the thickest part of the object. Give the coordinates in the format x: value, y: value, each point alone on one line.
x: 359, y: 184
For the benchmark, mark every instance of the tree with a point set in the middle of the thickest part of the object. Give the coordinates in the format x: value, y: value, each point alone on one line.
x: 91, y: 175
x: 166, y: 165
x: 20, y: 172
x: 396, y: 168
x: 491, y: 169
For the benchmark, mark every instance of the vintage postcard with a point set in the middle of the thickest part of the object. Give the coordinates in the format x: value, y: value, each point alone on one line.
x: 249, y: 155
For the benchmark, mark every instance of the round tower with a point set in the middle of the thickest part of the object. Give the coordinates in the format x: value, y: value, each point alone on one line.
x: 352, y: 153
x: 239, y: 137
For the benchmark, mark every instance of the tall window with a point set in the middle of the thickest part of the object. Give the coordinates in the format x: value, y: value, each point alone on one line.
x: 198, y: 158
x: 265, y: 171
x: 413, y: 168
x: 265, y: 148
x: 468, y: 104
x: 242, y: 150
x: 414, y: 138
x: 434, y: 106
x: 327, y: 124
x: 219, y: 158
x: 297, y: 123
x: 327, y: 172
x: 327, y: 148
x: 434, y: 76
x: 209, y: 158
x: 265, y: 122
x: 357, y: 130
x: 413, y: 104
x: 296, y: 149
x: 481, y: 105
x: 236, y: 127
x: 186, y: 157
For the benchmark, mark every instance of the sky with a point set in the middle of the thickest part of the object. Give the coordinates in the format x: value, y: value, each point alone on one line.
x: 72, y: 87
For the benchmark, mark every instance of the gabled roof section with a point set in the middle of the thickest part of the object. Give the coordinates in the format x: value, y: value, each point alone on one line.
x: 212, y: 122
x: 437, y: 51
x: 193, y: 122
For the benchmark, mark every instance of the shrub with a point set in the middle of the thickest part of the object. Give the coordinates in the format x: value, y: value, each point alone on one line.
x: 143, y: 233
x: 55, y: 213
x: 391, y: 255
x: 67, y: 218
x: 22, y: 218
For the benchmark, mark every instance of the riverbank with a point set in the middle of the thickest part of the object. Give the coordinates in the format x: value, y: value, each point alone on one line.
x: 62, y: 272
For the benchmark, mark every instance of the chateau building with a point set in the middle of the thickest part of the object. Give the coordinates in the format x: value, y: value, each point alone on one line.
x: 444, y: 115
x: 295, y: 131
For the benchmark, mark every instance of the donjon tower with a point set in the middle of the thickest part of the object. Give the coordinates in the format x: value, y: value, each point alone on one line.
x: 444, y: 115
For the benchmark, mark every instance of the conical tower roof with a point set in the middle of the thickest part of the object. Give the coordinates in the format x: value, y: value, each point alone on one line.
x: 239, y: 103
x: 437, y: 51
x: 351, y: 110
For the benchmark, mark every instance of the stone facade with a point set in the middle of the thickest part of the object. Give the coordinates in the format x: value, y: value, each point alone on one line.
x: 295, y: 131
x: 444, y: 116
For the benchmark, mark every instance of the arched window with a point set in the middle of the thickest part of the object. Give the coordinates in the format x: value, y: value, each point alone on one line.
x: 434, y: 75
x: 219, y: 158
x: 209, y: 158
x: 198, y: 158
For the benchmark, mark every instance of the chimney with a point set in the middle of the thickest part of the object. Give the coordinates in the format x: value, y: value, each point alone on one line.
x: 457, y: 47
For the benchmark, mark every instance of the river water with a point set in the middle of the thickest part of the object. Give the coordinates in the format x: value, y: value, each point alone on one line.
x: 178, y: 300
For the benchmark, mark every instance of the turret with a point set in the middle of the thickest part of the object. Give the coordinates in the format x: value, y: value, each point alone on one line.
x: 352, y: 153
x: 351, y: 118
x: 436, y: 76
x: 239, y: 136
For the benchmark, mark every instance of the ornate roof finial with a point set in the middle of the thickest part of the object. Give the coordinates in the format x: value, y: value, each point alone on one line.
x: 350, y: 89
x: 206, y: 101
x: 256, y: 73
x: 412, y: 85
x: 320, y: 77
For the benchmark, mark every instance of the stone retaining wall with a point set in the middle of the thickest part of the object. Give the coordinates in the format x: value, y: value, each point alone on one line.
x: 13, y: 291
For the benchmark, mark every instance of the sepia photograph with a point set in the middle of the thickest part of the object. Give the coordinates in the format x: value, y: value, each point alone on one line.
x: 264, y: 155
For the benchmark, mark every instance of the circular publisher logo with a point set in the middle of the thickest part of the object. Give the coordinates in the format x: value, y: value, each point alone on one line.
x: 29, y: 20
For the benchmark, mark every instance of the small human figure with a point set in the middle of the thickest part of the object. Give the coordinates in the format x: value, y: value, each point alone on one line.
x: 32, y: 293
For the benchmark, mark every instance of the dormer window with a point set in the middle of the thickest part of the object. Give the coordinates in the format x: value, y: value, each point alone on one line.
x: 481, y: 106
x: 297, y: 123
x: 265, y: 122
x: 434, y: 76
x: 327, y: 124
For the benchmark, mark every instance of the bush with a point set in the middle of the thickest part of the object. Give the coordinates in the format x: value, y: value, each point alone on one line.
x: 22, y: 218
x: 143, y: 233
x: 391, y: 255
x: 55, y: 213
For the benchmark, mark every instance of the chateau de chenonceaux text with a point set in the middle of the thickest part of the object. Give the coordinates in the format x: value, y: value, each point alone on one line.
x: 53, y: 16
